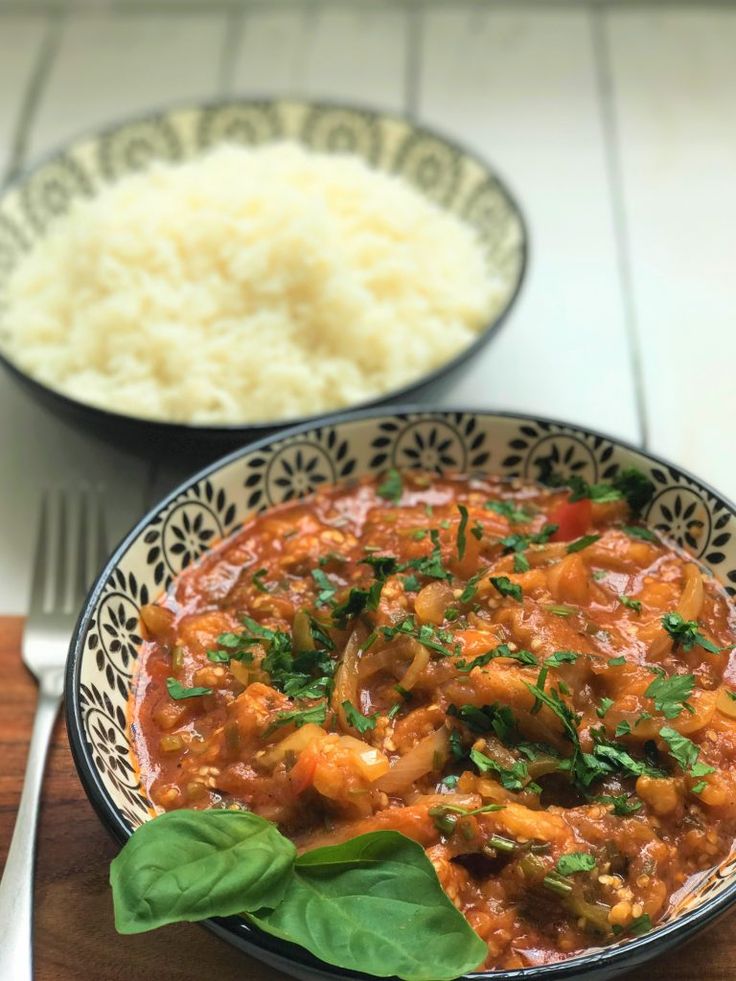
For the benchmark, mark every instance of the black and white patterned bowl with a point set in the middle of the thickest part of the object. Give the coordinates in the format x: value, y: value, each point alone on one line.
x: 449, y: 175
x: 213, y: 504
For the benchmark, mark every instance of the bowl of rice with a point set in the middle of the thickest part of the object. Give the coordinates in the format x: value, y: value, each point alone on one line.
x: 213, y: 272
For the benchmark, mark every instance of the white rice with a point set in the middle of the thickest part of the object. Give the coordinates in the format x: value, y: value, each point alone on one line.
x: 247, y: 285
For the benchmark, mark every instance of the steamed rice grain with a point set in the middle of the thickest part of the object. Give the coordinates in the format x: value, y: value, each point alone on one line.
x: 247, y: 285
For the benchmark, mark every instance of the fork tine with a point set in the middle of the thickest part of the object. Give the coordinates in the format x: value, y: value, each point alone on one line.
x: 82, y: 574
x: 40, y: 561
x: 61, y: 583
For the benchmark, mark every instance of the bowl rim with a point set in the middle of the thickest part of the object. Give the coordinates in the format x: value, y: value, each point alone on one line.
x: 162, y: 428
x: 611, y: 960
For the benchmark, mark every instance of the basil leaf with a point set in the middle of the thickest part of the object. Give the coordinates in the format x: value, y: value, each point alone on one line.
x: 188, y: 865
x: 374, y: 904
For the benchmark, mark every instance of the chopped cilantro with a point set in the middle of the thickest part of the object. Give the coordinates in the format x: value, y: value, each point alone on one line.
x: 687, y: 634
x: 418, y: 534
x: 560, y: 610
x: 575, y: 862
x: 604, y: 706
x: 580, y: 543
x: 635, y: 487
x: 471, y: 588
x: 615, y: 662
x: 508, y: 510
x: 450, y: 782
x: 638, y: 531
x: 258, y: 580
x: 670, y: 695
x: 477, y: 530
x: 391, y: 487
x: 326, y: 589
x: 507, y: 588
x: 515, y: 777
x: 300, y: 717
x: 522, y: 656
x: 599, y: 574
x: 521, y: 562
x: 461, y: 537
x: 362, y: 723
x: 431, y: 565
x: 632, y: 604
x: 639, y: 925
x: 178, y: 691
x: 622, y: 729
x: 561, y: 657
x: 623, y: 806
x: 685, y: 752
x: 358, y: 599
x: 411, y: 584
x: 383, y: 565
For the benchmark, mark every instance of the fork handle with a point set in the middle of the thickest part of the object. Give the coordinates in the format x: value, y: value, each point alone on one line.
x: 16, y: 888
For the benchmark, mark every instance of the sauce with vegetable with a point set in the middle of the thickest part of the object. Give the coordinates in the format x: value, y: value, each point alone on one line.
x: 523, y: 679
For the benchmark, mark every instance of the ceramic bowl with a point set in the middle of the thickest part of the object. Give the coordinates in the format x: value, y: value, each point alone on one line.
x: 214, y: 502
x: 447, y: 174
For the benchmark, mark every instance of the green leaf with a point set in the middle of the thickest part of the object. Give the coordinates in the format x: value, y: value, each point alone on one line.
x: 391, y: 487
x: 507, y: 588
x: 687, y: 634
x: 521, y: 562
x: 363, y: 723
x: 178, y: 691
x: 561, y: 657
x: 461, y: 537
x: 471, y: 587
x: 383, y: 565
x: 522, y: 656
x: 258, y: 582
x: 358, y: 599
x: 374, y: 904
x: 508, y: 510
x: 431, y: 565
x: 515, y: 777
x: 580, y: 543
x: 604, y: 706
x: 670, y: 695
x: 632, y: 604
x: 635, y: 487
x: 326, y: 589
x: 411, y: 584
x: 623, y: 806
x: 300, y: 717
x: 685, y: 752
x: 575, y: 862
x: 615, y: 662
x: 638, y: 531
x: 189, y: 865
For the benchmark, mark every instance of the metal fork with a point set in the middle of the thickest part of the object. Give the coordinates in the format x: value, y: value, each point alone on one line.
x: 61, y: 576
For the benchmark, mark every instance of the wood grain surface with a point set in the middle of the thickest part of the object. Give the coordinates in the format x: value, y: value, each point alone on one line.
x: 74, y: 930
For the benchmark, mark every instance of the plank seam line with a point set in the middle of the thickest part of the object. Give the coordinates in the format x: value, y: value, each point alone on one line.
x: 33, y: 93
x: 615, y: 178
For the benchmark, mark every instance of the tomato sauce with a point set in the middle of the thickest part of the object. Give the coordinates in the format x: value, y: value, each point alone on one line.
x: 535, y: 687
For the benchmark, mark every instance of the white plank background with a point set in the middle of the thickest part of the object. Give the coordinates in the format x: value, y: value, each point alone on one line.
x: 613, y: 123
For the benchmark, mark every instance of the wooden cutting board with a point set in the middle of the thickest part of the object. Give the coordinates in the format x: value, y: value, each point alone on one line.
x: 74, y: 930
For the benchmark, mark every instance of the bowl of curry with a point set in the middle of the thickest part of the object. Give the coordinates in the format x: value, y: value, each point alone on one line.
x: 495, y: 651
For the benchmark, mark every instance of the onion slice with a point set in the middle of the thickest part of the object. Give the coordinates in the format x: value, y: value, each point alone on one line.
x: 430, y: 753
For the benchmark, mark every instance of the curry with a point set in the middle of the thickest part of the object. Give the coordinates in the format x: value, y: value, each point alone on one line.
x: 524, y: 679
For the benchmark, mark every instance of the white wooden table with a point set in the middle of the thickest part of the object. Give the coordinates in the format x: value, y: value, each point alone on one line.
x: 614, y: 123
